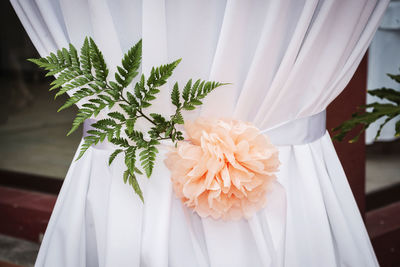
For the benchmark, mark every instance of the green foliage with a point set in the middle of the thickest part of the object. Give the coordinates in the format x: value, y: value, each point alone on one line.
x: 191, y: 96
x: 159, y: 75
x: 374, y: 112
x: 85, y: 78
x: 130, y: 63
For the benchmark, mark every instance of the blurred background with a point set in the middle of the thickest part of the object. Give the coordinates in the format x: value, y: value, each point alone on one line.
x: 35, y: 152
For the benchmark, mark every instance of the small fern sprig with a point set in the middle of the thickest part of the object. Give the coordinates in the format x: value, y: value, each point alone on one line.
x: 374, y: 111
x: 86, y: 78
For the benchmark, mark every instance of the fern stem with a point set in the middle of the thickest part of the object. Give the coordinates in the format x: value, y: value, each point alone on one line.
x: 124, y: 99
x: 163, y: 138
x: 144, y: 116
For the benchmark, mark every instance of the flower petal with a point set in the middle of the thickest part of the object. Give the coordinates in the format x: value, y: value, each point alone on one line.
x: 224, y: 169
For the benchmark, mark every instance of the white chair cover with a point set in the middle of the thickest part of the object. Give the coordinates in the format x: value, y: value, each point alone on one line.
x: 286, y: 60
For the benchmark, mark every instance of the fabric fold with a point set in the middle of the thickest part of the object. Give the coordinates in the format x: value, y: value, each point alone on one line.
x: 284, y: 60
x: 307, y: 214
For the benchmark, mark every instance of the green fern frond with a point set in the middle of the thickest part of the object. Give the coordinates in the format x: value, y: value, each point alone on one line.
x: 178, y: 118
x: 98, y: 62
x: 114, y: 155
x: 175, y: 96
x: 85, y: 58
x: 76, y: 97
x: 130, y: 65
x: 159, y: 75
x: 394, y: 77
x: 386, y: 93
x: 83, y: 114
x: 200, y: 89
x: 131, y: 178
x: 120, y: 142
x: 117, y: 115
x: 373, y: 112
x: 130, y: 125
x: 88, y: 142
x: 147, y: 159
x: 85, y: 74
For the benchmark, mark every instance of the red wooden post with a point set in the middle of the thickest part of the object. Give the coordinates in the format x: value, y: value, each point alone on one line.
x: 352, y: 156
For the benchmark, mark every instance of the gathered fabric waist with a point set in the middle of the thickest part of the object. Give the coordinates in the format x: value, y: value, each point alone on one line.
x: 297, y: 132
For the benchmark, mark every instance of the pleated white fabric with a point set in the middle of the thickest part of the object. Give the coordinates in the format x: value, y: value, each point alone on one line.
x: 286, y: 61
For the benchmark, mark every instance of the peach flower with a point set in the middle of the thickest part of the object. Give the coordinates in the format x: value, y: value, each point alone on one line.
x: 224, y: 169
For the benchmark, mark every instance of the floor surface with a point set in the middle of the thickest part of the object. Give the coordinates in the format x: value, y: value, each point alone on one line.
x: 17, y: 251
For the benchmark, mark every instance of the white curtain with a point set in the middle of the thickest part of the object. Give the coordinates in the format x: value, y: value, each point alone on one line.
x: 384, y: 57
x: 286, y: 60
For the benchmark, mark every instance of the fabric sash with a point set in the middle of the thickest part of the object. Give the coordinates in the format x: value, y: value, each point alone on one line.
x: 297, y: 132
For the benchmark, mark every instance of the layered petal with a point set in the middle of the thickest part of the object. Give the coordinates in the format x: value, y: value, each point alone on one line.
x: 224, y: 168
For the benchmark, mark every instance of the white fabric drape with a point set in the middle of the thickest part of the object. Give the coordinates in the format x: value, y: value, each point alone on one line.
x: 383, y: 57
x: 285, y: 60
